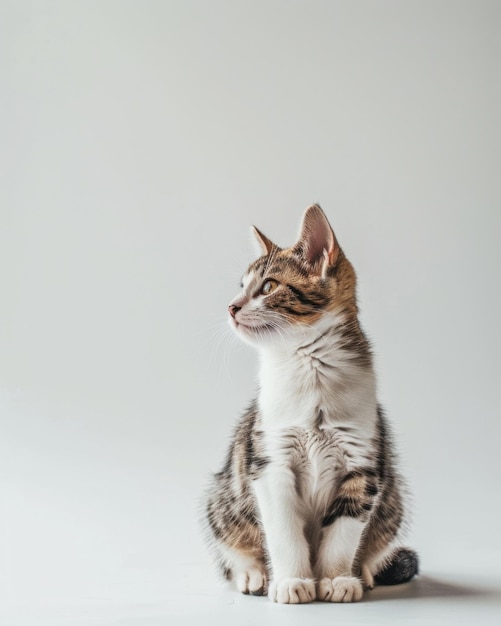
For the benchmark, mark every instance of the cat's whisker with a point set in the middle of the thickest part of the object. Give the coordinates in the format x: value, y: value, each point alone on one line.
x: 222, y: 341
x: 216, y: 337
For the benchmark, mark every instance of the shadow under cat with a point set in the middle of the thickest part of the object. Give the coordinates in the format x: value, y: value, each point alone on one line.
x: 430, y: 587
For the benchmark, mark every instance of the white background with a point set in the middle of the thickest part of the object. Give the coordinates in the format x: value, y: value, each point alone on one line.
x: 139, y: 140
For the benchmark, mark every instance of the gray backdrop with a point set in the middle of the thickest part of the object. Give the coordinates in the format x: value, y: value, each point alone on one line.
x: 139, y: 141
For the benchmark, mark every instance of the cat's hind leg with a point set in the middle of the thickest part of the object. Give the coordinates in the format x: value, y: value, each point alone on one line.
x: 237, y: 545
x: 399, y: 567
x: 384, y: 560
x: 235, y: 537
x: 372, y: 562
x: 247, y: 572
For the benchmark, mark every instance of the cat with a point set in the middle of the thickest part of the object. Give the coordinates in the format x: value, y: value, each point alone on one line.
x: 309, y: 504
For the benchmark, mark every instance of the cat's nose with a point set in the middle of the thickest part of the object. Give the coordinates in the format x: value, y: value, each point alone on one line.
x: 233, y: 309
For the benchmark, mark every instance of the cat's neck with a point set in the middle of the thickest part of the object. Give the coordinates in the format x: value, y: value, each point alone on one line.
x: 334, y: 336
x: 327, y: 368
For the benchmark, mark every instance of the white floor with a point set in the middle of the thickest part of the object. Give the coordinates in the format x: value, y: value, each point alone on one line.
x: 192, y: 596
x: 430, y: 600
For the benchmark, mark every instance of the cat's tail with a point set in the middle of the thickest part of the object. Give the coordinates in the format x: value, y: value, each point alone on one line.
x: 400, y: 568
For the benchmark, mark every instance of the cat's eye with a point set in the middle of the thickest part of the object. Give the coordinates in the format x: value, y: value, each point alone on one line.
x: 269, y: 286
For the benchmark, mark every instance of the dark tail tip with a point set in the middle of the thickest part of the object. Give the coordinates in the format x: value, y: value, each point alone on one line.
x: 403, y: 566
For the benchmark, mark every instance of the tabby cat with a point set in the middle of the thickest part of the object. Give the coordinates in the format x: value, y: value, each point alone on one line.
x: 309, y: 504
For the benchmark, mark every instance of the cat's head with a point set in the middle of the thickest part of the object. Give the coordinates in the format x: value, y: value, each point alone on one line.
x: 288, y: 291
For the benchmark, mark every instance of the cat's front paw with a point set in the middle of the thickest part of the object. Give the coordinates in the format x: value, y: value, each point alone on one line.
x: 251, y: 581
x: 339, y: 589
x: 292, y: 590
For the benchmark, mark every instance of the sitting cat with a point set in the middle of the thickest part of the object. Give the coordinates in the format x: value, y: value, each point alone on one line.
x: 309, y: 504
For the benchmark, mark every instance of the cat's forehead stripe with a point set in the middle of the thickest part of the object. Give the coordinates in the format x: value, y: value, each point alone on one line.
x: 260, y: 265
x: 278, y: 263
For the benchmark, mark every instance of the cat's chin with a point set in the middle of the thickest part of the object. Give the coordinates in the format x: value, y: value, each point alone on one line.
x: 257, y: 333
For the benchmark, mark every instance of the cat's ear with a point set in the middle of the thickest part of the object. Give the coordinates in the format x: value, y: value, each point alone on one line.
x: 317, y: 243
x: 265, y: 245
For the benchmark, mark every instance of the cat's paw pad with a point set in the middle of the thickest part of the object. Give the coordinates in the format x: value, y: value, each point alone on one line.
x: 292, y: 590
x: 251, y: 581
x: 340, y: 589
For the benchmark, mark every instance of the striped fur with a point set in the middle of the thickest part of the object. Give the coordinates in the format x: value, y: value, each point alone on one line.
x: 309, y: 503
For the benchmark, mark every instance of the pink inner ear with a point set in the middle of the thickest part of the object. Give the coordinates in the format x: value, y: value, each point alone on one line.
x: 316, y: 245
x: 317, y: 236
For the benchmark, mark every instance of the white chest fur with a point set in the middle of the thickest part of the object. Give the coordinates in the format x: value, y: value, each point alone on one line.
x: 316, y: 378
x: 318, y: 414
